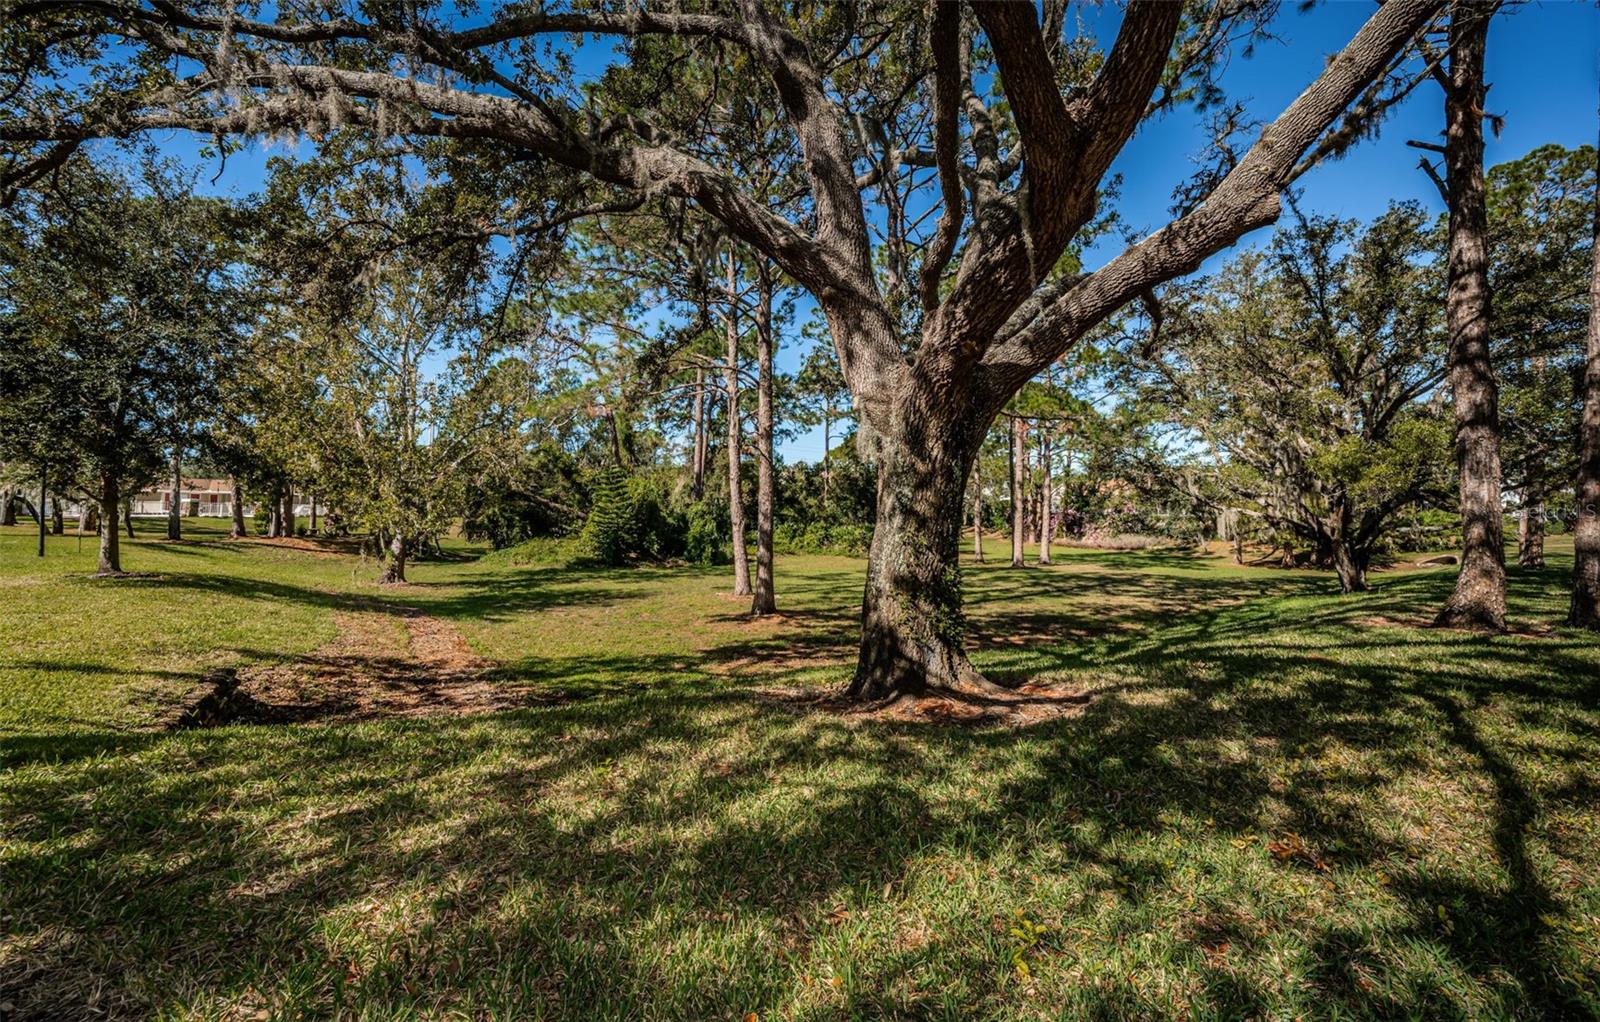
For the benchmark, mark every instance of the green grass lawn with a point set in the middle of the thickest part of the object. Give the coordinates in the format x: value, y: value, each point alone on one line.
x: 1277, y: 802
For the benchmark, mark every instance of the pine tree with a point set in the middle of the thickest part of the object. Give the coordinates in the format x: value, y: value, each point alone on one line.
x: 606, y: 533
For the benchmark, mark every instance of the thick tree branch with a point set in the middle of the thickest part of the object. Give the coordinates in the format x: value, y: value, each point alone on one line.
x: 1245, y: 199
x: 945, y: 41
x: 1065, y: 153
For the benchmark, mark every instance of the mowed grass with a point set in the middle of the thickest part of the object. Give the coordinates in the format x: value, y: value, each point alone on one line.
x: 1277, y: 803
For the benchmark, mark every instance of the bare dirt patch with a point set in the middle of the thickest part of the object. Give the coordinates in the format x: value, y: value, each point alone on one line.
x: 386, y: 661
x: 1027, y: 706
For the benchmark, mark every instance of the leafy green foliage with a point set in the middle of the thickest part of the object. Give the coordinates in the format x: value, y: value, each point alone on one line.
x: 1309, y: 373
x: 119, y: 313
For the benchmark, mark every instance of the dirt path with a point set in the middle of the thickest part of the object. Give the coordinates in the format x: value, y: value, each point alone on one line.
x: 386, y: 661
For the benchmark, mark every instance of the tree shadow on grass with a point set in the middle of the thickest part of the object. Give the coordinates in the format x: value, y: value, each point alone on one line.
x: 668, y: 846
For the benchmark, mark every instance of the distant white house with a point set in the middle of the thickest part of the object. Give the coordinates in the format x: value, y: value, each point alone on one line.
x: 205, y: 498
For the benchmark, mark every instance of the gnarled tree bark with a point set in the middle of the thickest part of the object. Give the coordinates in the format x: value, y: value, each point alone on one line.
x: 394, y: 573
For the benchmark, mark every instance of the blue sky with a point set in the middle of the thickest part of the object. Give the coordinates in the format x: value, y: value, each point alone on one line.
x: 1543, y: 66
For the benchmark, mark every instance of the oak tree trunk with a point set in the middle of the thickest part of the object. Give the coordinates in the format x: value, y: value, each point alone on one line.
x: 274, y: 511
x: 911, y: 619
x: 43, y: 496
x: 287, y: 520
x: 58, y: 517
x: 394, y: 572
x: 8, y: 506
x: 127, y: 515
x: 1479, y: 600
x: 1584, y: 611
x: 236, y: 498
x: 1350, y: 562
x: 175, y: 512
x: 765, y: 599
x: 1019, y: 432
x: 110, y: 549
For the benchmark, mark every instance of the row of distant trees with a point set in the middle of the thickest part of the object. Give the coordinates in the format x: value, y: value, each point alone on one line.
x: 1293, y: 398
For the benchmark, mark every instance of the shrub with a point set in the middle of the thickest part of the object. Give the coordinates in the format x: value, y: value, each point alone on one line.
x: 631, y: 517
x: 848, y: 540
x: 557, y: 550
x: 705, y: 538
x: 657, y: 529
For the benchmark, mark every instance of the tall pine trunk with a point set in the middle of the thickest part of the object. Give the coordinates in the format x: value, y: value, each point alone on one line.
x: 1479, y: 600
x: 1045, y: 510
x: 765, y: 599
x: 977, y: 512
x: 1019, y: 462
x: 110, y: 548
x: 175, y: 512
x: 741, y: 557
x: 236, y: 498
x: 697, y: 483
x: 827, y: 450
x: 1584, y: 611
x: 1530, y: 530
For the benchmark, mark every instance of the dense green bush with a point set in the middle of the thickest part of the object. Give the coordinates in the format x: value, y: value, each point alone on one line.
x: 539, y: 496
x: 846, y: 539
x: 658, y: 529
x: 705, y: 537
x: 631, y: 518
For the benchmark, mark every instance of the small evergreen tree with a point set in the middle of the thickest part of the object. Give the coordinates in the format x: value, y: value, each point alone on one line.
x: 606, y: 533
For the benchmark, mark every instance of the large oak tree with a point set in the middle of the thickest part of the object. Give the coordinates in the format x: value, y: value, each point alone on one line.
x: 1019, y: 129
